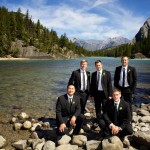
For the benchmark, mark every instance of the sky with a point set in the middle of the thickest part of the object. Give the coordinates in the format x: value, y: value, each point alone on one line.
x: 86, y: 19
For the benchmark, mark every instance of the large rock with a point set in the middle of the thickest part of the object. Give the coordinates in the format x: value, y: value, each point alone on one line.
x: 23, y: 116
x: 142, y: 138
x: 17, y: 126
x: 27, y: 125
x: 113, y: 143
x: 67, y: 147
x: 36, y: 127
x: 37, y: 143
x: 93, y: 145
x: 135, y: 118
x: 143, y: 112
x: 49, y: 145
x: 2, y: 141
x: 65, y: 139
x: 145, y: 119
x: 22, y: 144
x: 79, y: 140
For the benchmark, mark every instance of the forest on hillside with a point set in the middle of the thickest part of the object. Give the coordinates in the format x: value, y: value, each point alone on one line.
x: 16, y: 25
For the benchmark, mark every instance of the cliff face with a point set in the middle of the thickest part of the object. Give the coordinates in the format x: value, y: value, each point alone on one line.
x: 143, y: 32
x: 33, y: 52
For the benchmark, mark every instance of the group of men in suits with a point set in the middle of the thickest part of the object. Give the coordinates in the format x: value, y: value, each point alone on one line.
x: 112, y: 119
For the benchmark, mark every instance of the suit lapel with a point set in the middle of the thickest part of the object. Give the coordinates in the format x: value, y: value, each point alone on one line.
x: 67, y: 102
x: 120, y: 107
x: 102, y: 78
x: 79, y: 77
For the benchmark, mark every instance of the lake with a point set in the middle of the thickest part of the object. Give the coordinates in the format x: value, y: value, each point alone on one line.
x: 34, y: 85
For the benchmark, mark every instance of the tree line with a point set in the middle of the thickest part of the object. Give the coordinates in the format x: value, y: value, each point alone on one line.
x: 15, y: 25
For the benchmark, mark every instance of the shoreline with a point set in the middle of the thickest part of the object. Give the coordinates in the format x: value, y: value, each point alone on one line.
x: 12, y: 58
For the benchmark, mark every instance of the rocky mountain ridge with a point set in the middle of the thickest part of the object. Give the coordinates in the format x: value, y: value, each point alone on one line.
x: 93, y: 45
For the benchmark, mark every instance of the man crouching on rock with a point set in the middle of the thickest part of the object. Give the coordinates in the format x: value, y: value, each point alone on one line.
x: 116, y: 119
x: 68, y: 112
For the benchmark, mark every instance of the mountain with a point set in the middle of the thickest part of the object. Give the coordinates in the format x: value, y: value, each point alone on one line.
x: 93, y: 45
x: 143, y: 32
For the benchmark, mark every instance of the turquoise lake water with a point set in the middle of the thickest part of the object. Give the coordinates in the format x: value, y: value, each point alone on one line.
x: 34, y: 85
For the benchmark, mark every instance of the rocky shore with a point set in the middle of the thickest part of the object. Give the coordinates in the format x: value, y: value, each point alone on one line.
x: 22, y: 131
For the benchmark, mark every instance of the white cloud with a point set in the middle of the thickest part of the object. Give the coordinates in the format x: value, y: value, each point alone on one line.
x: 83, y: 22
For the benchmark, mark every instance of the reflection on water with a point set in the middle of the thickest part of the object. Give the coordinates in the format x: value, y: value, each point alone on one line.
x: 35, y: 85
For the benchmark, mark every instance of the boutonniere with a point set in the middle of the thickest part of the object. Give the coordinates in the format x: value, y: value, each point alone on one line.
x: 88, y: 74
x: 73, y: 102
x: 120, y: 108
x: 104, y: 74
x: 129, y: 70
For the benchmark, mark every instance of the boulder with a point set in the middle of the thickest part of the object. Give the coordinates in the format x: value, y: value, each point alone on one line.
x: 36, y: 127
x: 23, y: 116
x: 113, y: 143
x: 2, y: 141
x: 27, y: 125
x: 143, y: 112
x: 79, y: 140
x: 21, y: 144
x: 144, y: 129
x: 67, y: 147
x: 65, y: 139
x: 49, y: 145
x: 93, y: 145
x: 17, y: 126
x: 38, y: 143
x: 142, y: 138
x: 145, y: 119
x: 135, y: 118
x: 13, y: 120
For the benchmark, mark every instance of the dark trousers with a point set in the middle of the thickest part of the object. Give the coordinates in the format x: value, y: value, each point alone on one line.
x: 79, y: 122
x: 107, y: 131
x: 100, y: 100
x: 83, y: 99
x: 127, y: 96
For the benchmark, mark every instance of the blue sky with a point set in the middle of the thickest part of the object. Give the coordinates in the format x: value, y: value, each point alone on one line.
x: 86, y: 19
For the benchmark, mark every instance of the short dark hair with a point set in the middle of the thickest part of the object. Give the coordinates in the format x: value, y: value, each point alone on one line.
x: 70, y: 85
x: 98, y: 61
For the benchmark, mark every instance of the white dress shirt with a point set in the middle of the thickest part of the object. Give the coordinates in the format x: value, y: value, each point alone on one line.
x: 81, y: 74
x: 70, y: 97
x: 121, y: 77
x: 100, y: 83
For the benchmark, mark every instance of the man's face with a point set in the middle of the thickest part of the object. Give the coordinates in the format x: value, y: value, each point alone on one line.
x: 71, y: 90
x: 99, y: 66
x: 116, y: 96
x: 84, y: 65
x: 124, y: 61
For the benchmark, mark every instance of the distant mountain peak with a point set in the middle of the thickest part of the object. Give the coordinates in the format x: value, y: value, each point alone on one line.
x: 100, y: 44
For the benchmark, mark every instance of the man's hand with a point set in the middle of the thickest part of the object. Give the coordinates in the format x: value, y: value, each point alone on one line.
x: 62, y: 127
x: 72, y: 121
x: 109, y: 97
x: 115, y: 129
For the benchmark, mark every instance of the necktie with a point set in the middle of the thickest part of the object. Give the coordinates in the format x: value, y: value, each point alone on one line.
x: 70, y: 102
x: 115, y: 114
x: 83, y: 81
x: 99, y: 76
x: 123, y: 81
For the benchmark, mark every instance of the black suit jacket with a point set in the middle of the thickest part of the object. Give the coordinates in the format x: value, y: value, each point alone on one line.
x: 123, y: 115
x: 105, y: 81
x: 63, y: 108
x: 131, y: 77
x: 75, y: 79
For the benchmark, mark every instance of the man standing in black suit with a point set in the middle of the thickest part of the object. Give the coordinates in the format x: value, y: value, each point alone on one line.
x: 101, y: 87
x: 68, y: 112
x: 116, y: 119
x: 81, y: 80
x: 125, y: 79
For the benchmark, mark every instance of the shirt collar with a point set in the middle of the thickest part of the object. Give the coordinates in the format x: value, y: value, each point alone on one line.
x: 100, y: 71
x: 82, y: 70
x: 70, y: 96
x: 125, y: 67
x: 117, y: 102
